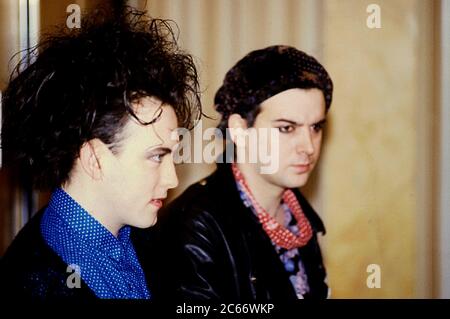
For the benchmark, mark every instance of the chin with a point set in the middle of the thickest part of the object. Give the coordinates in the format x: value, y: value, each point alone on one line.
x: 151, y: 222
x: 145, y: 223
x: 298, y: 182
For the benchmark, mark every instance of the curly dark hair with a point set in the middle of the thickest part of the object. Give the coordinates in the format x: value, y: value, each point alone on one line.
x: 82, y: 85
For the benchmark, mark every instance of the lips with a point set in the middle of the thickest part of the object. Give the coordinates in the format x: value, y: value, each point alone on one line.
x: 302, y: 168
x: 157, y: 202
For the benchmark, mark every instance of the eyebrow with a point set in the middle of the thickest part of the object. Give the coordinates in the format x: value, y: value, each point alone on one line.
x: 322, y: 121
x: 163, y: 150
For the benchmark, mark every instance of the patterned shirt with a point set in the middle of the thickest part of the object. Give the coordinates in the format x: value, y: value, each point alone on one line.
x: 108, y: 265
x: 291, y: 258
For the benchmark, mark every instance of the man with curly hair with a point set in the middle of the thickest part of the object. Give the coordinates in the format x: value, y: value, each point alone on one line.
x: 92, y: 119
x: 242, y: 234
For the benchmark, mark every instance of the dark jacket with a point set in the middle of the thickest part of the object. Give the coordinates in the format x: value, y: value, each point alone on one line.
x: 30, y: 269
x: 208, y: 246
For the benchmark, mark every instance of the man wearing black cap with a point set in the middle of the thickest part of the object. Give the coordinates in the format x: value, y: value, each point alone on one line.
x: 240, y: 234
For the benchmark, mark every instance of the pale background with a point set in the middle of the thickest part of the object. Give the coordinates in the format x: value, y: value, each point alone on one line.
x: 381, y: 184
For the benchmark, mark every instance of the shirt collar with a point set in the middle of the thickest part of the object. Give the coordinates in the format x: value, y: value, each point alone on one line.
x: 86, y: 227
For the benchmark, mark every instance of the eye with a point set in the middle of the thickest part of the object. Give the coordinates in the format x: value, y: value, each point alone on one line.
x: 318, y: 127
x: 157, y: 155
x: 286, y: 129
x: 157, y: 158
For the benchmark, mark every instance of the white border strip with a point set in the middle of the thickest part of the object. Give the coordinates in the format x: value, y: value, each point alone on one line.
x: 444, y: 169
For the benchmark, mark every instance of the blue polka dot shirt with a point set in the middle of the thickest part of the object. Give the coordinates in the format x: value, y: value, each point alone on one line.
x: 108, y: 265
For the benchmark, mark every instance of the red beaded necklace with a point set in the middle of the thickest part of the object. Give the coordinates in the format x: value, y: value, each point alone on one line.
x: 276, y: 232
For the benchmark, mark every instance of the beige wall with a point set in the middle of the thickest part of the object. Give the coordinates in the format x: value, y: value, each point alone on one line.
x: 53, y: 12
x: 374, y: 184
x: 374, y: 161
x: 9, y: 37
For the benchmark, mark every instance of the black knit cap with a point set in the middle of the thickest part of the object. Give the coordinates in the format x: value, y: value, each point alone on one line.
x: 267, y: 72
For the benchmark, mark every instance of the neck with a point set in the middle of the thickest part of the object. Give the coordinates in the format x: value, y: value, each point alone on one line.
x: 82, y: 194
x: 266, y: 194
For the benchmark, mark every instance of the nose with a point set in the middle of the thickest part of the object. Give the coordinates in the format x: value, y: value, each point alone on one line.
x: 169, y: 178
x: 305, y: 142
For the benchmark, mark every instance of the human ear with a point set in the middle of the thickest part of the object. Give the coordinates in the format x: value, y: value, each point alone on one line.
x: 90, y: 155
x: 237, y: 127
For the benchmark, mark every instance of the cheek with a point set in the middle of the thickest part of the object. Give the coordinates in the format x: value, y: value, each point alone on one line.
x: 287, y: 147
x: 140, y: 191
x: 318, y: 146
x: 146, y: 179
x: 141, y: 178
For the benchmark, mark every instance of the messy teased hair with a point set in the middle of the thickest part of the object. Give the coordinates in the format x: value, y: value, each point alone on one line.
x: 82, y: 85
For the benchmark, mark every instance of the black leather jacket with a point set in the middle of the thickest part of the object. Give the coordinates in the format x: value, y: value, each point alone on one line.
x: 208, y: 246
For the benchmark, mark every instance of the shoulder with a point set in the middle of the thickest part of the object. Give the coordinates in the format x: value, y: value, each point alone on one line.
x: 198, y: 194
x: 28, y: 245
x: 203, y: 214
x: 30, y: 268
x: 199, y: 201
